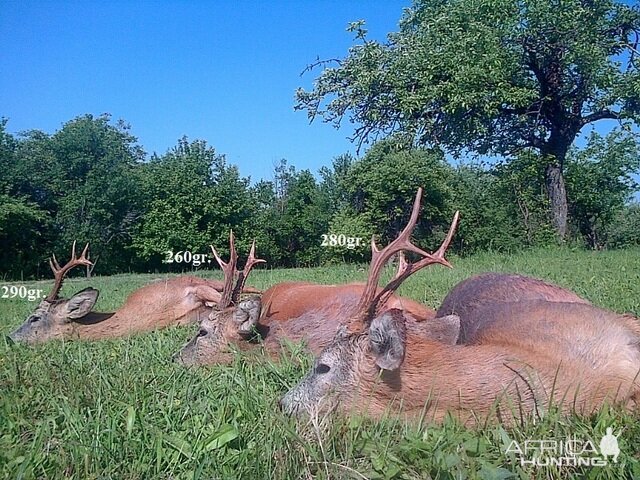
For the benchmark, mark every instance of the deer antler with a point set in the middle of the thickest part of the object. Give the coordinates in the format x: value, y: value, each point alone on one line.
x: 229, y: 270
x: 370, y: 299
x: 409, y: 269
x: 60, y: 272
x: 230, y: 294
x: 402, y: 264
x: 242, y: 277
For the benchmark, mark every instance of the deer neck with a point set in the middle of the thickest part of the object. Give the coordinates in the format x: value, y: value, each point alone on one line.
x: 465, y: 381
x: 96, y: 325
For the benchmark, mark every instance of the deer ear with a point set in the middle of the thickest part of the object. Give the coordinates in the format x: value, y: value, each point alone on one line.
x: 387, y: 339
x: 246, y: 314
x: 81, y: 303
x: 444, y: 329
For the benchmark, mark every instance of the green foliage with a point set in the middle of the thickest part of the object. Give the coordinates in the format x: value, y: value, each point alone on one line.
x: 348, y: 223
x: 294, y: 216
x: 31, y: 171
x: 504, y: 206
x: 600, y: 182
x: 477, y: 75
x: 23, y: 227
x: 7, y: 154
x: 88, y: 151
x: 381, y: 187
x: 522, y: 191
x: 193, y: 198
x: 374, y: 196
x: 89, y: 182
x: 335, y: 181
x: 624, y: 230
x: 81, y: 179
x: 486, y: 222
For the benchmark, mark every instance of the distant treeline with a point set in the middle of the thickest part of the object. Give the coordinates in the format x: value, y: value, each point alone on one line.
x: 91, y: 182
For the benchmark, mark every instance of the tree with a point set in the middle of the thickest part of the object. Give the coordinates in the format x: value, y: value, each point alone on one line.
x: 624, y: 230
x: 520, y: 188
x: 8, y: 146
x: 94, y: 181
x: 600, y: 182
x: 30, y: 170
x: 296, y: 219
x: 334, y: 184
x: 22, y: 228
x: 493, y: 77
x: 382, y: 185
x: 192, y: 198
x: 487, y: 221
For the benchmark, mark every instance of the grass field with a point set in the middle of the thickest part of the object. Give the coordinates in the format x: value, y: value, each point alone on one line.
x: 120, y: 409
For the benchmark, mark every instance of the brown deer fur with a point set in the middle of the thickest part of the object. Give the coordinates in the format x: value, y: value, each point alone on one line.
x: 470, y: 296
x: 292, y: 311
x: 303, y: 311
x: 535, y: 353
x: 175, y: 301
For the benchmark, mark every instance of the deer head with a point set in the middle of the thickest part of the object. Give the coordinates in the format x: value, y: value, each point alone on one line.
x: 370, y: 342
x: 53, y: 316
x: 233, y: 321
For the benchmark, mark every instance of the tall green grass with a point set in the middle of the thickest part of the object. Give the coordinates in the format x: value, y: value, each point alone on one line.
x: 120, y: 409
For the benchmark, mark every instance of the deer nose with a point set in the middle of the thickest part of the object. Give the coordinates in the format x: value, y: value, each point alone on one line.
x: 9, y: 339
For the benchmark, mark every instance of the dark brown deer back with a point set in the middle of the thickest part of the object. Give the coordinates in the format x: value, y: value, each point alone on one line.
x: 472, y: 295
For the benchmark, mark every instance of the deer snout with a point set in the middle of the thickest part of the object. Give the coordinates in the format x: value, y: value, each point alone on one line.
x: 186, y: 359
x: 16, y: 336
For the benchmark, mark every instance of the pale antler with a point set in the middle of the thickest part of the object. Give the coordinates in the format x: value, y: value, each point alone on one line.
x: 60, y: 272
x: 370, y: 299
x: 242, y: 277
x: 229, y: 270
x: 402, y: 264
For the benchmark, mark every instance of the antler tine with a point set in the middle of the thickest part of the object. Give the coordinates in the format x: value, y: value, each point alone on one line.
x: 60, y: 272
x: 53, y: 262
x: 229, y: 270
x: 447, y: 240
x: 409, y: 268
x: 380, y: 257
x: 242, y: 278
x: 402, y: 264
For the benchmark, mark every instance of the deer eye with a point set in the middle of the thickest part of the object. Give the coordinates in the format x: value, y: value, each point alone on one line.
x: 322, y: 368
x: 202, y: 332
x: 34, y: 319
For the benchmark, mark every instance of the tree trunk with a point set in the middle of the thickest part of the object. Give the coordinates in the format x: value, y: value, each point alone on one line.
x: 557, y: 194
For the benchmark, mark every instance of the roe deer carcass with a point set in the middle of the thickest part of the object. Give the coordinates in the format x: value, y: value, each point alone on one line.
x: 530, y: 355
x: 472, y: 295
x: 175, y: 301
x: 299, y: 311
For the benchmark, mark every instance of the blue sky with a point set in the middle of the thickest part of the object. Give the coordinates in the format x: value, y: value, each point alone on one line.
x: 222, y: 71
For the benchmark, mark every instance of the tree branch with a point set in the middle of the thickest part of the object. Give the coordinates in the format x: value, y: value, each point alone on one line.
x: 600, y: 115
x: 320, y: 63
